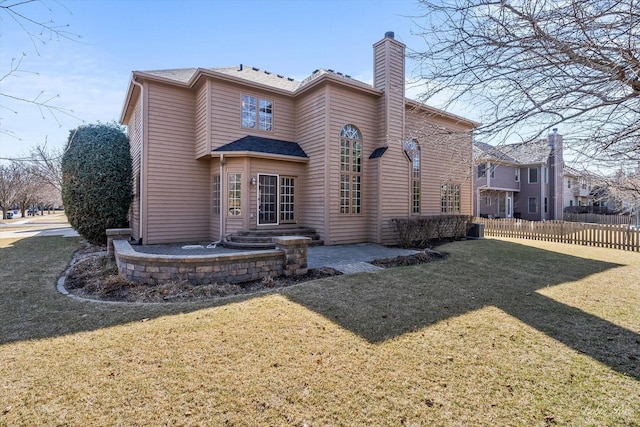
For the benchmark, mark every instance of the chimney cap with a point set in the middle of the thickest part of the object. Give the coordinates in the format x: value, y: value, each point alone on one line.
x: 389, y: 34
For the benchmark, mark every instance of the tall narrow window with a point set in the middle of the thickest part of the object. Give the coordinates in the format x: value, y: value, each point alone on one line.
x: 248, y: 111
x: 492, y: 170
x: 350, y: 170
x: 235, y: 194
x: 287, y: 199
x: 482, y: 170
x: 216, y: 195
x: 412, y: 151
x: 533, y: 175
x: 533, y: 205
x: 517, y: 175
x: 450, y: 198
x: 265, y: 114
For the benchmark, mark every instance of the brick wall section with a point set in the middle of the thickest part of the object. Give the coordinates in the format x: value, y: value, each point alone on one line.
x: 289, y: 258
x: 295, y: 254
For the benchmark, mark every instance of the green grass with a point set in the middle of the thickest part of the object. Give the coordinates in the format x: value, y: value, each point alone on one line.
x: 504, y: 332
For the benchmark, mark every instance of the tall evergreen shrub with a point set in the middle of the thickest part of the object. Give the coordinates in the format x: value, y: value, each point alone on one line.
x: 96, y: 180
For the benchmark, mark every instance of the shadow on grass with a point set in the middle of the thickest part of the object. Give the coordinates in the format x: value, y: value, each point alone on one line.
x: 376, y: 307
x: 32, y: 308
x: 484, y: 273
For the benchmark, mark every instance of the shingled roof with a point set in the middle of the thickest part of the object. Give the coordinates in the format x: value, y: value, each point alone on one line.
x: 525, y: 153
x: 254, y: 75
x: 256, y: 144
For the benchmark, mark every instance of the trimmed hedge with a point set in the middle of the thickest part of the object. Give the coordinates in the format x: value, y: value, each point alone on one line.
x: 96, y: 180
x: 419, y: 231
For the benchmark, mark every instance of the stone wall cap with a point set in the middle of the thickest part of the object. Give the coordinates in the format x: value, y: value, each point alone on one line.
x: 118, y: 231
x: 292, y: 240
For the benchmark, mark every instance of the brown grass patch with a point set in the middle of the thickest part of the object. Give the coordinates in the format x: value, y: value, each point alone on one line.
x: 502, y: 332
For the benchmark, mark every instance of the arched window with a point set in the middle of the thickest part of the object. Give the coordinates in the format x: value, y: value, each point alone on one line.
x: 412, y: 151
x: 350, y: 170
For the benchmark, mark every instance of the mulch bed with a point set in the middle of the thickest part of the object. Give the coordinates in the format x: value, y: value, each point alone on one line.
x: 95, y: 276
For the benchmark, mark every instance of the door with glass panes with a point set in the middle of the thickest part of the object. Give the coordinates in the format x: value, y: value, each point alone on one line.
x: 276, y: 199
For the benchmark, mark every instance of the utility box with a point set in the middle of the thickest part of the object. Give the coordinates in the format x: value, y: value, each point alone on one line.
x: 476, y: 231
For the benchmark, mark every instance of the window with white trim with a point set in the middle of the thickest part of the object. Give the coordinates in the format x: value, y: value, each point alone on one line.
x: 533, y: 175
x: 216, y: 195
x: 450, y: 198
x: 517, y: 175
x: 287, y: 199
x: 412, y: 151
x: 350, y: 170
x: 533, y: 204
x: 235, y: 194
x: 257, y: 113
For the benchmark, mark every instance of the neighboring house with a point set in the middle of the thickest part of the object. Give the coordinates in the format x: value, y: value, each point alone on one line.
x: 577, y: 193
x: 218, y: 151
x: 519, y: 180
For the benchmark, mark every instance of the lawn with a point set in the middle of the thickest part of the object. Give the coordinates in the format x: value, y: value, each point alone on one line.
x: 503, y: 332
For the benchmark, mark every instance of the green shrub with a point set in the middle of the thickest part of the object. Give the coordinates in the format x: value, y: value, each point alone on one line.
x: 96, y: 180
x: 419, y: 231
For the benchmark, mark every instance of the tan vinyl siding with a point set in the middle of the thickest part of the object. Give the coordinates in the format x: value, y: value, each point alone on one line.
x: 359, y: 110
x: 446, y: 153
x: 134, y: 129
x: 311, y: 136
x: 202, y: 97
x: 272, y: 167
x: 175, y: 181
x: 226, y: 114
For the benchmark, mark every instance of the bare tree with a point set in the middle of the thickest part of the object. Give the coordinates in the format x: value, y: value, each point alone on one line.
x: 8, y: 186
x: 46, y: 164
x: 22, y: 13
x: 530, y: 66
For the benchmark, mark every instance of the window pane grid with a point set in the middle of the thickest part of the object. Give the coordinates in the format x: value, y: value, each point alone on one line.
x: 216, y: 195
x: 257, y: 113
x: 351, y: 168
x: 450, y: 198
x: 235, y: 193
x: 287, y: 199
x: 248, y: 111
x: 266, y: 114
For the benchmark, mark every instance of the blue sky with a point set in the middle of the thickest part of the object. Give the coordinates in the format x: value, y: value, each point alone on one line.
x: 290, y: 37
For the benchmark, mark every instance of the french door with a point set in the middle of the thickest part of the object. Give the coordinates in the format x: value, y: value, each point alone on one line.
x: 267, y: 199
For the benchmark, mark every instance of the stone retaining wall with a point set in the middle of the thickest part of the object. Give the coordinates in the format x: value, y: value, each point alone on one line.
x: 289, y: 258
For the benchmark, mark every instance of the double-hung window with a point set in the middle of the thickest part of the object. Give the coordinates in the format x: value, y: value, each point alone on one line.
x: 450, y: 198
x: 257, y: 113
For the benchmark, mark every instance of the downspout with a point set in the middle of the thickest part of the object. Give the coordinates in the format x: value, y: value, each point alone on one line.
x: 133, y: 80
x: 543, y: 183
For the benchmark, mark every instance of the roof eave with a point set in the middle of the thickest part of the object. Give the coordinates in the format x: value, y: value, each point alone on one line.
x: 328, y: 77
x: 127, y: 100
x: 257, y: 154
x: 440, y: 113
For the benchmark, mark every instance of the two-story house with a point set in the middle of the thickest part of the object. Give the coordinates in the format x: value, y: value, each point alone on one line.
x: 522, y: 180
x: 238, y: 149
x: 577, y: 189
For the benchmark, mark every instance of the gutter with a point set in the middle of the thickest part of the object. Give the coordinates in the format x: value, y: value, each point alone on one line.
x: 142, y: 135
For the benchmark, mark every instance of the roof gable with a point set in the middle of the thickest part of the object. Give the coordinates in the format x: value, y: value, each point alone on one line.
x: 524, y: 153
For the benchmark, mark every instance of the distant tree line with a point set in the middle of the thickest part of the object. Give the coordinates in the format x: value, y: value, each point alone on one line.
x: 32, y: 183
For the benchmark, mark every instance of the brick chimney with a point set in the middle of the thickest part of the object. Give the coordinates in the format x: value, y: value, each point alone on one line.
x: 388, y: 75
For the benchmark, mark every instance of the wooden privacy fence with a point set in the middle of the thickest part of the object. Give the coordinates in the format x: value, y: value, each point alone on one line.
x: 599, y: 218
x: 601, y: 235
